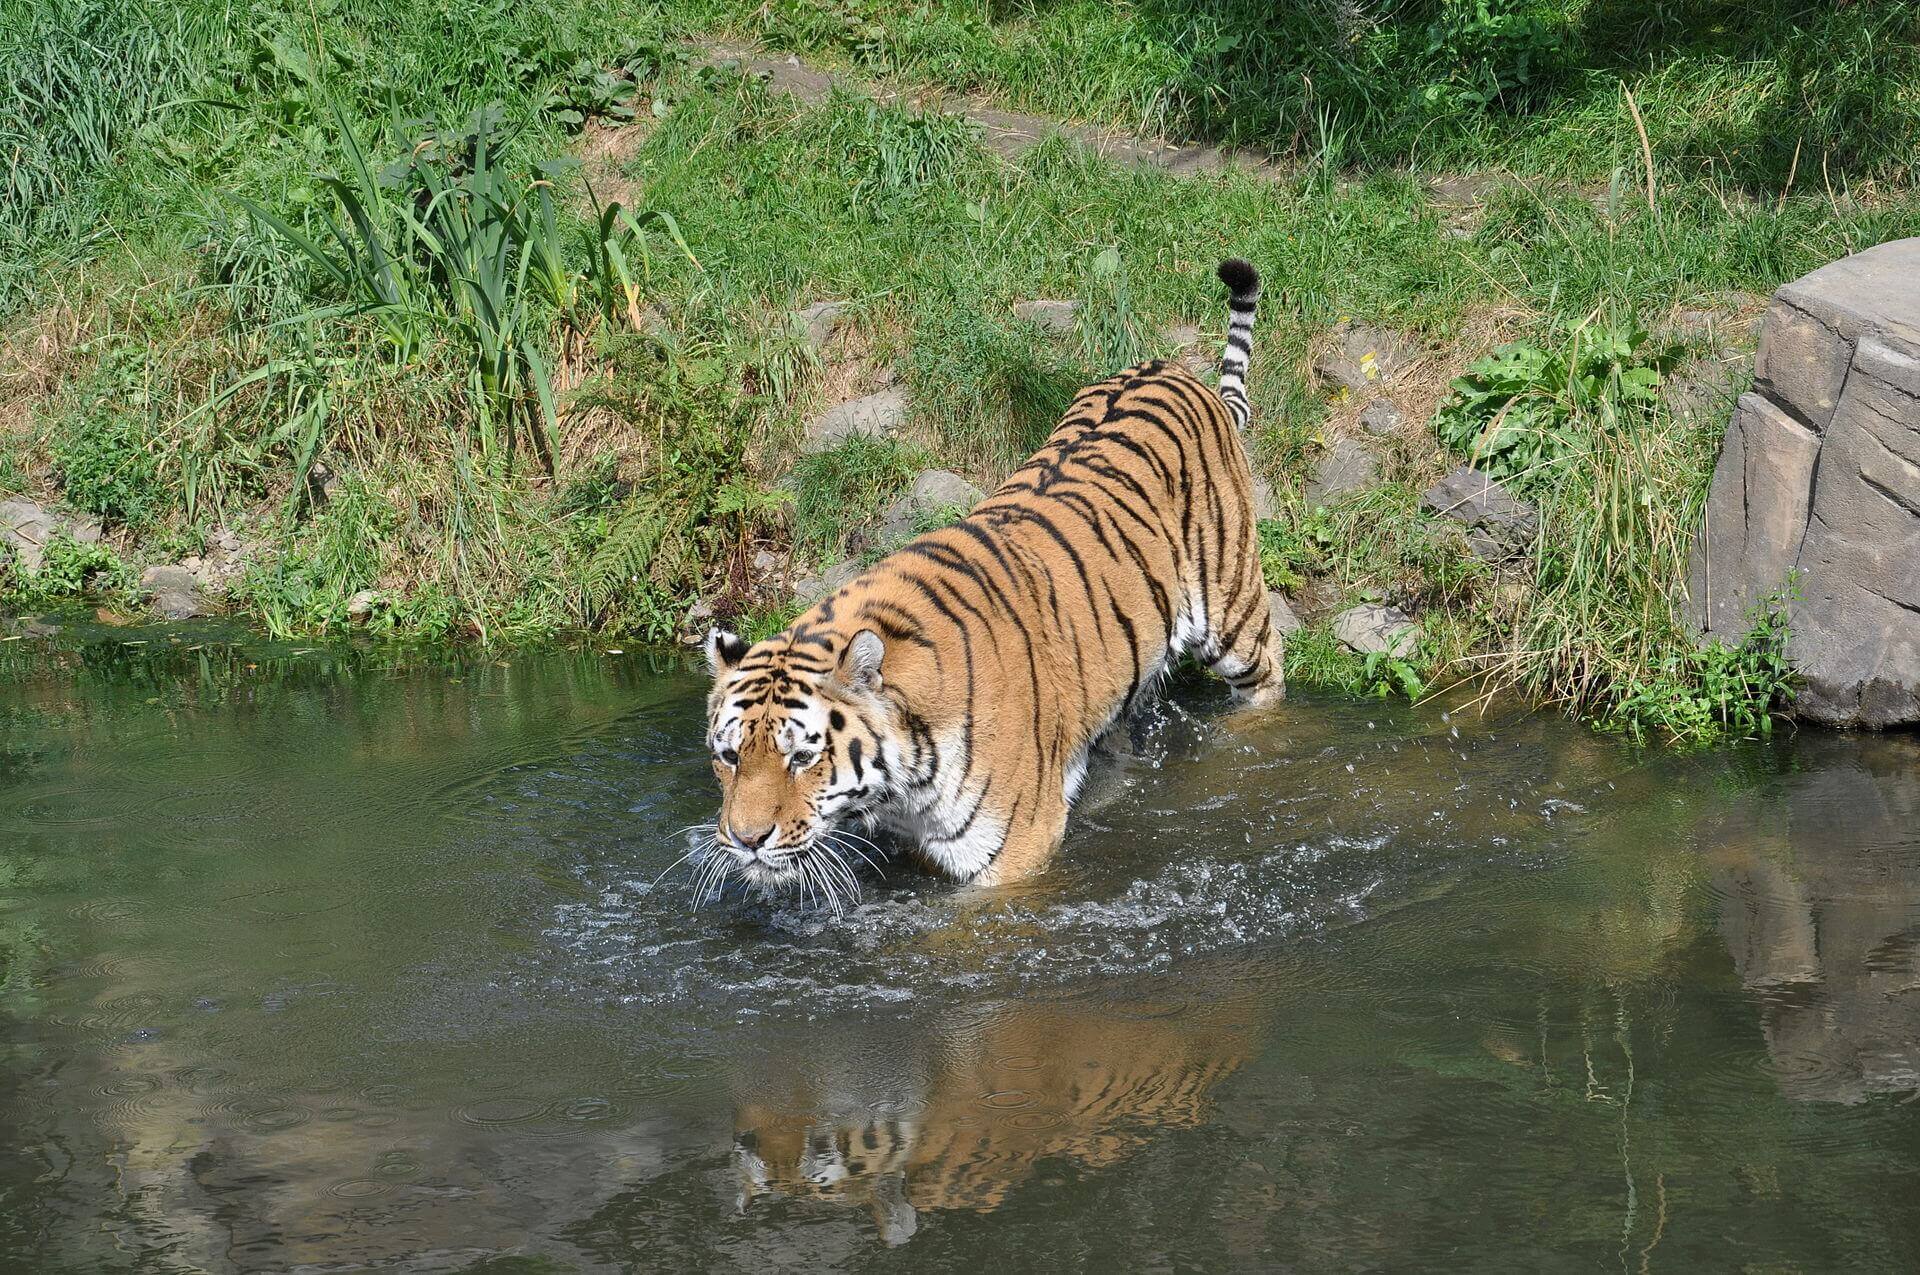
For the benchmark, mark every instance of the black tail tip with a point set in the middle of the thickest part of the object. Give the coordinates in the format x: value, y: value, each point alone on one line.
x: 1240, y: 277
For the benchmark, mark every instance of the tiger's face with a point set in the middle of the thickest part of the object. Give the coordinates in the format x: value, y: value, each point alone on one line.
x: 797, y: 727
x: 777, y: 1153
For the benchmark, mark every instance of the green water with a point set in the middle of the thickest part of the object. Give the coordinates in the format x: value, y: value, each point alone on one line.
x: 340, y: 960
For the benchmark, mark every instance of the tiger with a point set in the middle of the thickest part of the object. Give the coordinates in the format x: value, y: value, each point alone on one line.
x: 985, y: 1108
x: 949, y: 695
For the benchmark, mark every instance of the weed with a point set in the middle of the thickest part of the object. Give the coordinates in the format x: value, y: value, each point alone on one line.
x: 70, y: 569
x: 888, y: 154
x: 105, y: 453
x: 1702, y: 694
x: 845, y: 488
x: 1109, y: 330
x: 1521, y: 412
x: 1489, y: 52
x: 1383, y: 674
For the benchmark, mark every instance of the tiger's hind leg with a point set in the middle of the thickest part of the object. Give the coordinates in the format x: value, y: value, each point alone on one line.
x: 1246, y: 650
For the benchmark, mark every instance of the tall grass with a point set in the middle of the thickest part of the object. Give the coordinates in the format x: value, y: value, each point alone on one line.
x: 448, y: 239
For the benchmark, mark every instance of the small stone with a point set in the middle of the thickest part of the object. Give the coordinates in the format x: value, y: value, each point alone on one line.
x: 765, y: 562
x: 1363, y: 357
x: 1055, y: 317
x: 360, y: 606
x: 173, y: 592
x: 1348, y: 466
x: 1371, y: 628
x: 1382, y: 416
x: 1475, y: 499
x: 821, y: 321
x: 227, y: 541
x: 1281, y: 611
x: 879, y: 415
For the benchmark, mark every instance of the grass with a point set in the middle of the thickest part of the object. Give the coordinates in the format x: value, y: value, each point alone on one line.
x: 333, y: 276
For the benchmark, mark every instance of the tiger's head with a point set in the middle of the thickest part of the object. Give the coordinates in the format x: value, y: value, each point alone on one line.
x: 801, y: 732
x: 780, y: 1154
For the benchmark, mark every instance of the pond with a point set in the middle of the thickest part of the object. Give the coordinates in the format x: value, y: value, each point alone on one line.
x: 342, y: 958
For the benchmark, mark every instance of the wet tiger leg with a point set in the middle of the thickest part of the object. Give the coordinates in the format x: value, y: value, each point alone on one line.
x: 1030, y: 842
x: 1246, y: 650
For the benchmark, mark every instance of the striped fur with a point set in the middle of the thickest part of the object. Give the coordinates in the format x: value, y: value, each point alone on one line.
x: 950, y: 694
x: 1097, y: 1088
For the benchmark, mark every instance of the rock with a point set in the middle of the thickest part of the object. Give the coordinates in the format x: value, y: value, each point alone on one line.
x: 810, y: 589
x: 765, y: 562
x: 1363, y: 357
x: 173, y: 592
x: 360, y: 606
x: 880, y: 415
x: 696, y: 622
x: 25, y: 527
x: 1281, y: 611
x: 841, y: 574
x: 1499, y: 525
x: 934, y: 493
x: 821, y: 321
x: 1054, y: 317
x: 1263, y: 503
x: 1347, y: 466
x: 1381, y: 417
x: 1182, y: 335
x: 1370, y: 628
x: 1820, y: 474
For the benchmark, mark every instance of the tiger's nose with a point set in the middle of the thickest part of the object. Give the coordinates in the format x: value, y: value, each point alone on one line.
x: 750, y: 838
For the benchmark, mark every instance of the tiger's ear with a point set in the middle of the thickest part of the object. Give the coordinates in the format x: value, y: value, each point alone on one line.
x: 724, y: 650
x: 860, y: 663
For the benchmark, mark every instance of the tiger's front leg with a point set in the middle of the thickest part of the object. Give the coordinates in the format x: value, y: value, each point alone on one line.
x: 1030, y: 842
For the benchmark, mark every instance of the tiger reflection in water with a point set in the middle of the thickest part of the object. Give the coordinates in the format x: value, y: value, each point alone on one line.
x: 1089, y: 1084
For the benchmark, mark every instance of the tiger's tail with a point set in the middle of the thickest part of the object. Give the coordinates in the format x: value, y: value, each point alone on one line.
x: 1243, y: 281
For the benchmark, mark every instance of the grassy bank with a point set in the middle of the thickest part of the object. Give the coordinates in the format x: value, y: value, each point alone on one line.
x: 486, y: 326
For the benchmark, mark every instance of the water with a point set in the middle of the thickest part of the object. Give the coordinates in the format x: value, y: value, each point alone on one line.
x: 333, y: 960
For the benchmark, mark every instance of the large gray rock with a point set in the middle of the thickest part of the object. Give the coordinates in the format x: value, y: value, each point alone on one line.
x: 1820, y: 474
x: 1281, y: 612
x: 1498, y: 525
x: 935, y: 493
x: 1348, y: 466
x: 821, y: 321
x: 26, y: 526
x: 173, y: 592
x: 1374, y: 629
x: 1360, y: 358
x: 810, y: 589
x: 1381, y: 417
x: 880, y: 415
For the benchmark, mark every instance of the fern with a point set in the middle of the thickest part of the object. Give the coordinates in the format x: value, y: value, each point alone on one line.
x: 633, y: 553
